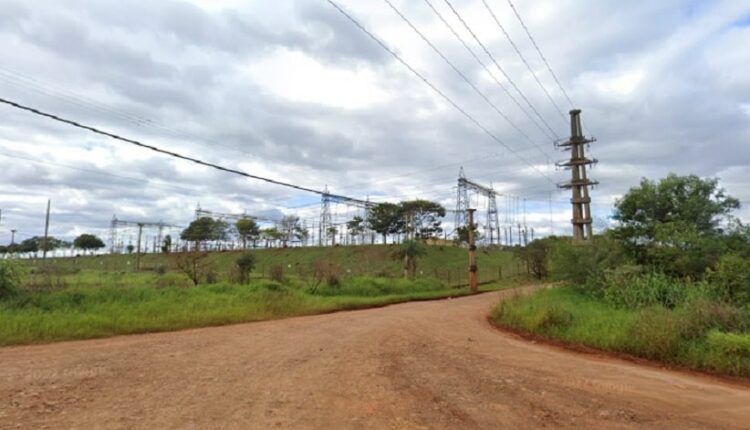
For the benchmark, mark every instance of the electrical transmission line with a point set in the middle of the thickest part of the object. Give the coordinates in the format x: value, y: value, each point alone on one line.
x: 497, y: 64
x: 550, y: 134
x: 175, y: 154
x: 539, y: 51
x: 437, y: 90
x: 523, y: 59
x: 463, y: 76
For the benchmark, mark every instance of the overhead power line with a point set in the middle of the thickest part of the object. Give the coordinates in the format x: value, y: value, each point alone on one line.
x: 497, y: 64
x: 436, y: 89
x: 175, y: 154
x: 523, y: 59
x: 551, y: 134
x: 539, y: 51
x: 463, y: 76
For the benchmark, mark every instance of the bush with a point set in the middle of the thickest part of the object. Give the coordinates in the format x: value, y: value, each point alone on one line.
x: 730, y: 280
x: 638, y: 291
x: 244, y: 265
x: 11, y: 276
x: 585, y: 266
x: 703, y: 315
x: 277, y: 273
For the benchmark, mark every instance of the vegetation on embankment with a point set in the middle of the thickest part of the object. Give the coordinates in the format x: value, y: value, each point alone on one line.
x: 84, y: 312
x: 69, y: 299
x: 670, y: 283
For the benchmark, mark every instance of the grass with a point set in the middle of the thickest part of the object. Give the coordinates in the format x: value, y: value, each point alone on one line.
x: 702, y: 335
x: 446, y: 263
x: 85, y: 312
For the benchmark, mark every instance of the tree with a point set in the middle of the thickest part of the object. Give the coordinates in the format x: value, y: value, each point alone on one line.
x: 385, y: 219
x: 88, y: 242
x: 355, y: 226
x: 331, y: 233
x: 462, y: 234
x: 193, y: 264
x: 166, y: 245
x: 291, y: 229
x: 244, y: 264
x: 205, y: 229
x: 422, y: 218
x: 535, y: 256
x: 687, y: 200
x: 38, y: 243
x: 247, y: 230
x: 130, y: 248
x: 409, y: 251
x: 271, y: 235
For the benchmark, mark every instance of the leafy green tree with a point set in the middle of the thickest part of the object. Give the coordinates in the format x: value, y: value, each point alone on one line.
x: 38, y: 243
x: 205, y: 229
x: 355, y: 226
x: 422, y: 218
x: 688, y: 200
x: 271, y: 235
x: 130, y: 248
x: 247, y: 230
x: 409, y: 251
x: 462, y: 234
x: 386, y: 219
x: 535, y: 256
x: 88, y: 242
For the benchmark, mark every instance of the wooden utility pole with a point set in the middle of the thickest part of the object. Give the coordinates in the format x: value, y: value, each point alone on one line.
x: 45, y: 244
x: 472, y: 252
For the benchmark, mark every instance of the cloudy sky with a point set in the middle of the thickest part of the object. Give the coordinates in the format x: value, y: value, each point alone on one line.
x: 293, y: 90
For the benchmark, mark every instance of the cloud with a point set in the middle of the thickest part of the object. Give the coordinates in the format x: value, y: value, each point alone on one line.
x: 293, y: 91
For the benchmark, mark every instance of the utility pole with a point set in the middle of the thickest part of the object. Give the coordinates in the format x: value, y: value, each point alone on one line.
x: 472, y: 252
x: 579, y: 183
x: 138, y: 250
x: 45, y: 244
x: 13, y: 237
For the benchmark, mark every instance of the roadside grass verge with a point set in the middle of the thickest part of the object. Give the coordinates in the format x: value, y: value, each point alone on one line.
x: 701, y: 334
x: 93, y: 312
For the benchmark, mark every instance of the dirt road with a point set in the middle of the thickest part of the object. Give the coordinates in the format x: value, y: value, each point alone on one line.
x: 429, y: 365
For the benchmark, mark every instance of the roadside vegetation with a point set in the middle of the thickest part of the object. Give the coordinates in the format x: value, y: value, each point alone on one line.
x: 99, y: 296
x: 671, y: 282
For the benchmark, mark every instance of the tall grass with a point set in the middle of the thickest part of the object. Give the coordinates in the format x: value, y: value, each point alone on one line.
x: 700, y: 334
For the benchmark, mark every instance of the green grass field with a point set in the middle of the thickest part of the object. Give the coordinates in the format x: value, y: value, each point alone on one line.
x: 90, y: 297
x: 700, y: 335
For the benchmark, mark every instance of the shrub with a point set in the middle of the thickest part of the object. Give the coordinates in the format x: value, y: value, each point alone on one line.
x: 11, y: 275
x: 730, y: 280
x: 585, y: 267
x: 193, y: 264
x: 703, y: 315
x: 554, y: 317
x: 277, y: 273
x: 244, y: 265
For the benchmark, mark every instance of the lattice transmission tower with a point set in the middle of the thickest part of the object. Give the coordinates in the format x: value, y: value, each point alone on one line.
x: 579, y: 183
x: 463, y: 203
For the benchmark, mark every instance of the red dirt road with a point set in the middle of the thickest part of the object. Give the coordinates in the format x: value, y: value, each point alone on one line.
x: 428, y: 365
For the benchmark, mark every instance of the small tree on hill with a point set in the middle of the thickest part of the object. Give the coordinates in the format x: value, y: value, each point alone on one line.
x: 247, y: 230
x: 409, y: 251
x: 88, y: 242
